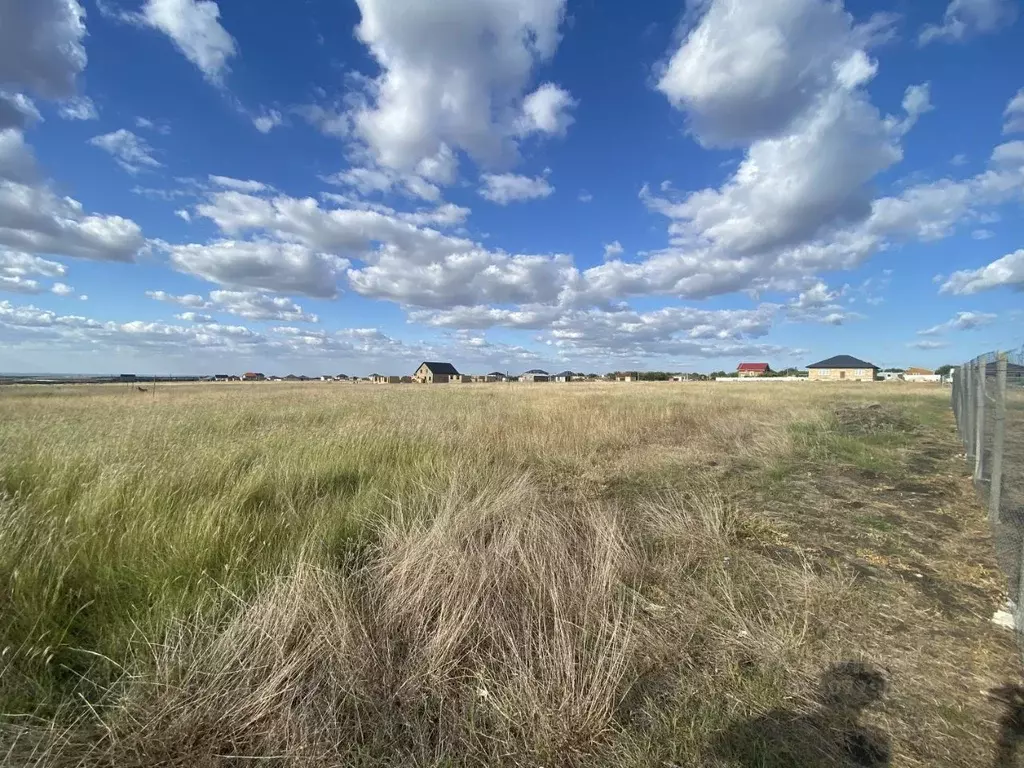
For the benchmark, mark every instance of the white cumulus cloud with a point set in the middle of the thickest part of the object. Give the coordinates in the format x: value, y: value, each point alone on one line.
x: 455, y: 73
x: 241, y: 185
x: 35, y: 220
x: 41, y: 45
x: 1007, y: 271
x: 129, y: 151
x: 962, y: 321
x: 79, y: 108
x: 1014, y: 114
x: 613, y: 250
x: 546, y: 110
x: 285, y: 267
x: 252, y: 305
x: 194, y: 27
x: 928, y: 344
x: 967, y: 18
x: 505, y: 188
x: 267, y: 121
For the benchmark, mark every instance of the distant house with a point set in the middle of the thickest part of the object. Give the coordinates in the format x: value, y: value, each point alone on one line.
x: 435, y: 373
x: 497, y: 376
x: 842, y: 368
x: 379, y: 378
x: 681, y: 377
x: 250, y: 376
x: 565, y: 376
x: 890, y: 375
x: 341, y: 377
x: 222, y: 377
x: 535, y: 375
x: 748, y: 370
x: 921, y: 375
x: 1014, y: 373
x: 626, y: 377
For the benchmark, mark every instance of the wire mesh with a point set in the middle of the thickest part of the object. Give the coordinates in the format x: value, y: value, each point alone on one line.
x: 988, y: 403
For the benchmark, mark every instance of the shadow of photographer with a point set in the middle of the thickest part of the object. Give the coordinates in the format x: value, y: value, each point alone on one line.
x: 830, y: 735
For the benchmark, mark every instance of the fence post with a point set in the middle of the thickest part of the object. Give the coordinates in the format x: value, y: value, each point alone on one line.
x: 1017, y: 623
x: 961, y: 382
x: 998, y: 438
x: 979, y: 440
x: 969, y: 410
x: 955, y: 390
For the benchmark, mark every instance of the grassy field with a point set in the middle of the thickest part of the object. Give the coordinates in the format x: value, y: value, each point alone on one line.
x: 614, y: 575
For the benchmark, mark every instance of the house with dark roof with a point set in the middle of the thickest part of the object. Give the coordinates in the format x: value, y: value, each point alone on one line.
x: 436, y: 373
x: 565, y: 376
x: 1014, y: 373
x: 535, y: 374
x: 842, y: 368
x: 749, y: 370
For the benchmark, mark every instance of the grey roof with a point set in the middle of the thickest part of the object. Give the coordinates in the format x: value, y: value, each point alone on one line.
x: 537, y: 371
x: 497, y: 374
x: 446, y: 369
x: 565, y: 373
x: 1012, y: 369
x: 843, y: 361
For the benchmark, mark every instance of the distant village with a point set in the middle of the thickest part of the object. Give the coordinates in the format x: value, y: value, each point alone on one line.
x: 837, y: 368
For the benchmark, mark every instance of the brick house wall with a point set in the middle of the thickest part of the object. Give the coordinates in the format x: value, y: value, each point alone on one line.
x: 841, y: 374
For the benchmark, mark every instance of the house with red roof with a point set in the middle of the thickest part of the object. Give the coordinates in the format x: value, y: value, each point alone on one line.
x: 751, y: 370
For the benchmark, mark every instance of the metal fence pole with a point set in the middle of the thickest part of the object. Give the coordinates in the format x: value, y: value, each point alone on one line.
x: 998, y: 439
x: 961, y: 382
x: 955, y: 390
x: 979, y: 440
x: 1017, y: 623
x: 969, y: 410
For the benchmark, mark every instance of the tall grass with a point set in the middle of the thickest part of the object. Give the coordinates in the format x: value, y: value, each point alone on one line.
x: 326, y: 575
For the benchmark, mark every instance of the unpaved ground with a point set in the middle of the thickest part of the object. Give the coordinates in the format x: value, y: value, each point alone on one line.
x: 913, y: 530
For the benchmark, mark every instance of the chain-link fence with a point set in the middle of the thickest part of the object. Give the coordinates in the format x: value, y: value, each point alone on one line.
x: 988, y: 400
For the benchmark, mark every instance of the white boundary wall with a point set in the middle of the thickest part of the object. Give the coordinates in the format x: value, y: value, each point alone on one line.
x: 756, y: 379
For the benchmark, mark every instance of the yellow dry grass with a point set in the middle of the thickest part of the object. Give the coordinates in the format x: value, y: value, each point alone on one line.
x: 323, y: 574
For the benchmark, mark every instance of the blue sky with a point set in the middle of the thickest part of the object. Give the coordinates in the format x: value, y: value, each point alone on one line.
x: 328, y: 186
